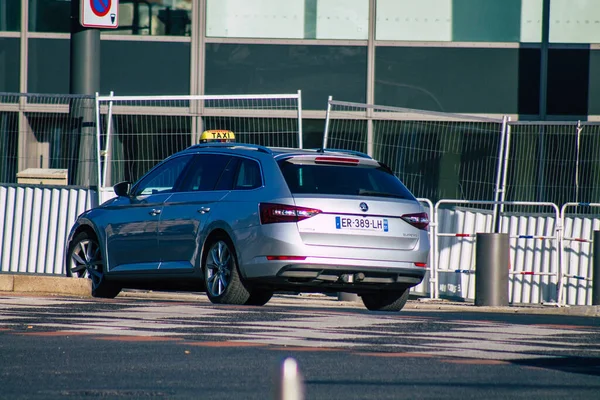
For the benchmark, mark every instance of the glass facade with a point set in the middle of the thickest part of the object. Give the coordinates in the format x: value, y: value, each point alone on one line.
x: 136, y: 17
x: 49, y: 16
x: 292, y: 19
x: 459, y: 20
x: 144, y: 68
x: 319, y: 71
x: 9, y: 66
x: 157, y: 17
x: 575, y: 21
x: 10, y: 15
x: 431, y: 78
x: 48, y: 66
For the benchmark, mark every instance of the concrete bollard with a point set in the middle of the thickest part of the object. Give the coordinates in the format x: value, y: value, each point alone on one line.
x: 596, y: 269
x: 491, y: 269
x: 290, y: 384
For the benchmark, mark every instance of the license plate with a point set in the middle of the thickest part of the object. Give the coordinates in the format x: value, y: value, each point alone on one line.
x: 362, y: 223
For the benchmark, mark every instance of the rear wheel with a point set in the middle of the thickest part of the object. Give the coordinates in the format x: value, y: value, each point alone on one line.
x: 84, y: 260
x: 221, y: 275
x: 386, y: 301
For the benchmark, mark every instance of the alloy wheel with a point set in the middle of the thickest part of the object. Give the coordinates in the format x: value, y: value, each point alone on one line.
x: 219, y: 264
x: 86, y: 261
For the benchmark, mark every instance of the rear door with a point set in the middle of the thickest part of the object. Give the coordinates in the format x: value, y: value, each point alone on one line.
x: 187, y: 211
x: 362, y: 204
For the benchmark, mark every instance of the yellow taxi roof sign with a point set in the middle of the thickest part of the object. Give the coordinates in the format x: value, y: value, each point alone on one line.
x: 217, y: 135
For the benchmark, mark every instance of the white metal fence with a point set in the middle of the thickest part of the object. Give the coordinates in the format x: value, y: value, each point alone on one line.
x: 48, y: 132
x: 136, y: 132
x: 34, y: 224
x: 437, y: 155
x: 504, y: 165
x: 534, y: 269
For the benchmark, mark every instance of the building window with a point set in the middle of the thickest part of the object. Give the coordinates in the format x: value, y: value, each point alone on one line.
x: 157, y: 17
x: 136, y: 17
x: 459, y: 20
x: 292, y: 19
x: 10, y: 15
x: 575, y: 21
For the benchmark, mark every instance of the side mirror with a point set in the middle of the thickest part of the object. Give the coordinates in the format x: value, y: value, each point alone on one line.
x: 122, y: 188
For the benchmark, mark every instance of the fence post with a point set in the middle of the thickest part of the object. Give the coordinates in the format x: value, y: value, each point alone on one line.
x: 327, y: 118
x: 300, y: 134
x: 499, y: 173
x: 596, y: 269
x: 491, y: 269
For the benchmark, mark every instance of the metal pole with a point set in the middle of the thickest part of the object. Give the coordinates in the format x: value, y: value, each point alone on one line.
x: 596, y: 269
x: 85, y: 55
x: 543, y: 94
x: 107, y: 152
x: 300, y: 139
x: 496, y: 218
x: 544, y: 57
x: 505, y: 168
x: 84, y: 79
x: 578, y: 130
x: 491, y: 263
x: 327, y: 118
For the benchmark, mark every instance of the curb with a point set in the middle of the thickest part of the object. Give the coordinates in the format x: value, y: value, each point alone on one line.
x: 64, y: 286
x: 56, y: 285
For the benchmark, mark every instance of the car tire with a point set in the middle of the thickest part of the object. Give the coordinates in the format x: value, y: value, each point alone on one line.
x: 85, y: 260
x: 259, y: 297
x: 386, y: 301
x: 221, y: 275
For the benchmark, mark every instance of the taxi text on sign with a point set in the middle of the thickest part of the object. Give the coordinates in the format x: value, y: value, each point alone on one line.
x: 99, y: 13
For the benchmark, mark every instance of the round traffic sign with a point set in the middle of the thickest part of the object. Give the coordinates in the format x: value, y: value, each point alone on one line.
x: 100, y: 7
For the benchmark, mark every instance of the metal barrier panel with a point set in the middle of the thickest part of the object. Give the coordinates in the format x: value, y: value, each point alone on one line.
x: 436, y: 155
x: 34, y: 224
x: 535, y: 243
x: 426, y: 287
x: 579, y: 225
x: 49, y: 132
x: 556, y: 162
x: 137, y: 132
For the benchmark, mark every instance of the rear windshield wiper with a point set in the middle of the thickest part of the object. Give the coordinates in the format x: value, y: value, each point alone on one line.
x: 364, y: 192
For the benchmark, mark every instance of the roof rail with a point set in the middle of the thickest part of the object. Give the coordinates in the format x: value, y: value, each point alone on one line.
x: 351, y: 152
x: 230, y: 145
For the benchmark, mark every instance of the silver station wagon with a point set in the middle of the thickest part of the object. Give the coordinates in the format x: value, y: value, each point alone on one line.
x: 242, y: 221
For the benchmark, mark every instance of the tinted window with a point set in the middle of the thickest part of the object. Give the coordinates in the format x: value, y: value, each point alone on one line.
x: 163, y: 178
x: 344, y: 180
x: 205, y: 172
x: 248, y: 176
x: 228, y: 175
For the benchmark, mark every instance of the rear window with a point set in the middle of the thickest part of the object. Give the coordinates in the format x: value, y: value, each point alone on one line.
x: 342, y: 180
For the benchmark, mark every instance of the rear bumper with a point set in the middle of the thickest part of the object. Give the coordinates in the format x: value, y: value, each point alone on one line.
x: 354, y: 276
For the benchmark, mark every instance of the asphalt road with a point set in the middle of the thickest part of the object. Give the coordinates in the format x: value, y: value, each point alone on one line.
x: 53, y: 348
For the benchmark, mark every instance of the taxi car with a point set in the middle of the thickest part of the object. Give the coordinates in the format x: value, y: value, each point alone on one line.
x: 243, y: 221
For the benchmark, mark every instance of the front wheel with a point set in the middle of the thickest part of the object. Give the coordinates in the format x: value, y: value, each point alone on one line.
x: 221, y: 275
x: 386, y: 301
x: 84, y: 260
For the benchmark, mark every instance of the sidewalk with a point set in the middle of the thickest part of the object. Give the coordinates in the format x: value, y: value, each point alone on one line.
x: 63, y: 286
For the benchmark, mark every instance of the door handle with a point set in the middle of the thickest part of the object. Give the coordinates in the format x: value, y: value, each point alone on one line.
x: 203, y: 210
x: 154, y: 212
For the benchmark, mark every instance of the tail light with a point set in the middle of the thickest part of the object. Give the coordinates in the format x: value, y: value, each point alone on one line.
x: 420, y: 264
x: 419, y: 220
x: 272, y: 213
